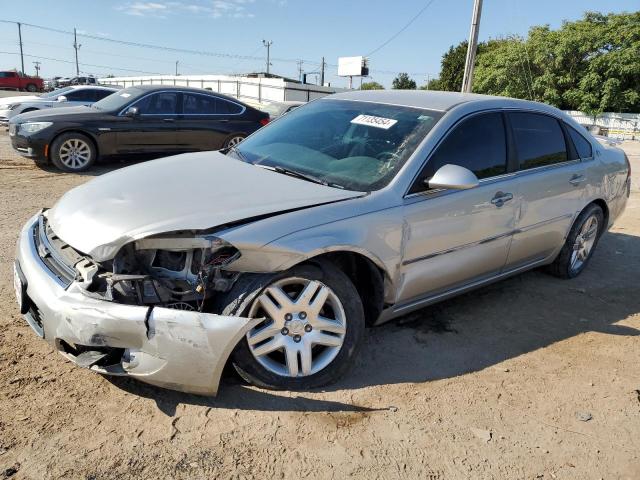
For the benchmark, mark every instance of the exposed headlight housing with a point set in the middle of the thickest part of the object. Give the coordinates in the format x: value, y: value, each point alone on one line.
x: 33, y: 127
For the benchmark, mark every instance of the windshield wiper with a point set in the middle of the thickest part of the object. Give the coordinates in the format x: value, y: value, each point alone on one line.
x: 300, y: 175
x: 238, y: 153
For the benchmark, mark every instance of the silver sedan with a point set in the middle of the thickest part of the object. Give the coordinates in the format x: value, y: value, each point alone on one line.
x: 276, y: 253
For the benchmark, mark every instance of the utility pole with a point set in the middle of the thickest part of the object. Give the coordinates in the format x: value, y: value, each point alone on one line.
x: 37, y: 65
x: 268, y: 45
x: 322, y: 73
x: 177, y: 67
x: 467, y: 79
x: 76, y: 47
x: 20, y: 42
x: 300, y: 69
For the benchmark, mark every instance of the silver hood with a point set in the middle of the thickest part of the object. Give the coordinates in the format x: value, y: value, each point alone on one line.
x: 194, y: 191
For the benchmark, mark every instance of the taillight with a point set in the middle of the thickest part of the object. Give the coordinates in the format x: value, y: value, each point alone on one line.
x: 264, y: 121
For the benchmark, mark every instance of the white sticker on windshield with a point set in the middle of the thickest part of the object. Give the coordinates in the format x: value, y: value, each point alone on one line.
x: 125, y: 95
x: 372, y: 121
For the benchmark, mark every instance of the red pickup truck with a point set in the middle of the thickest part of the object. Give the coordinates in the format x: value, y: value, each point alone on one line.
x: 17, y: 81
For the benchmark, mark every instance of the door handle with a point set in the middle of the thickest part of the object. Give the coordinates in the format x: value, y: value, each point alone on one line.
x: 168, y: 120
x: 501, y: 198
x: 577, y: 179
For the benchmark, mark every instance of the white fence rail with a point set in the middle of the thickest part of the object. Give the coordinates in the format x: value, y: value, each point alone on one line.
x: 242, y: 88
x: 625, y: 126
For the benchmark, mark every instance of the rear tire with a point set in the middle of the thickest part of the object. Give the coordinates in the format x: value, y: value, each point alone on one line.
x: 73, y: 152
x: 316, y: 348
x: 32, y: 88
x: 580, y: 244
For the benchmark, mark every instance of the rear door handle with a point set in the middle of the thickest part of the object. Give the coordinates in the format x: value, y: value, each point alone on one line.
x: 501, y: 198
x: 168, y: 120
x: 576, y: 179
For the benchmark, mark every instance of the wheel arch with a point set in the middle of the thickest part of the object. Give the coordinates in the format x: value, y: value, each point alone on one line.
x: 605, y: 209
x: 89, y: 135
x: 369, y: 278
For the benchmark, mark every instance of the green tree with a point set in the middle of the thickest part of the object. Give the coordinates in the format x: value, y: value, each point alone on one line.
x: 433, y: 84
x: 452, y: 68
x: 591, y: 64
x: 403, y: 82
x: 371, y: 86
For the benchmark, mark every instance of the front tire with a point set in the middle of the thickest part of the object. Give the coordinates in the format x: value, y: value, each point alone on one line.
x: 313, y: 327
x: 580, y: 244
x: 233, y: 140
x: 73, y: 152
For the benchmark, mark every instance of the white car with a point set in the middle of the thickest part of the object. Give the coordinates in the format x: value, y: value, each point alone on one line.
x: 63, y: 97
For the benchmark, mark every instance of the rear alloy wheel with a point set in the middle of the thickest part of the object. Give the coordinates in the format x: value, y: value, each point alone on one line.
x: 233, y: 141
x: 32, y: 88
x: 580, y: 244
x: 73, y: 152
x: 313, y: 324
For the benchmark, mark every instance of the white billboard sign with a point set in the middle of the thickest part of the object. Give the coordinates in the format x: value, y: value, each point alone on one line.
x: 350, y: 66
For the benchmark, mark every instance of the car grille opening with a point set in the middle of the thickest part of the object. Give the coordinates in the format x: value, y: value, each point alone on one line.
x: 58, y: 256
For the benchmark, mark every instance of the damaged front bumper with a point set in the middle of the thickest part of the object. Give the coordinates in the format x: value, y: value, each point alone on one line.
x: 176, y: 349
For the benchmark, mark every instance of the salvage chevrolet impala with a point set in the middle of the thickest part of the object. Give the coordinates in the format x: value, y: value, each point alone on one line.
x: 276, y: 253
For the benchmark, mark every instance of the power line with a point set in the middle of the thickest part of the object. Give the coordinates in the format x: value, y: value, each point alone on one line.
x: 241, y: 58
x: 84, y: 64
x: 152, y: 46
x: 395, y: 35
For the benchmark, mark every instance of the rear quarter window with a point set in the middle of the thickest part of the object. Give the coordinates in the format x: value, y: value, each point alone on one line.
x: 539, y: 140
x: 583, y: 147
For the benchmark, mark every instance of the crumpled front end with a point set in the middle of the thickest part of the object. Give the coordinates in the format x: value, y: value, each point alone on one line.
x: 181, y: 347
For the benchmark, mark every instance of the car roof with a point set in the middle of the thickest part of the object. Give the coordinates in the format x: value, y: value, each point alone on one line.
x: 93, y: 87
x: 436, y: 100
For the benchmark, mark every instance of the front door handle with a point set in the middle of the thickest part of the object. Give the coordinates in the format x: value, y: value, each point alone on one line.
x: 577, y: 179
x: 501, y: 198
x: 168, y: 120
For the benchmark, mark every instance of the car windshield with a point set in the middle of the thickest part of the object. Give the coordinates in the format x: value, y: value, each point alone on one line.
x: 119, y: 99
x: 56, y: 93
x: 356, y: 145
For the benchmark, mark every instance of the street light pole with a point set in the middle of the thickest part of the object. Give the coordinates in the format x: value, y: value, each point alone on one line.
x: 467, y: 79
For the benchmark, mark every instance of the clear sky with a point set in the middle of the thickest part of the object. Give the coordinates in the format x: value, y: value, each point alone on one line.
x: 299, y: 29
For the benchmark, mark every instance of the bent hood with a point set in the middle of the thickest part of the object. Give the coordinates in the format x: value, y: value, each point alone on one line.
x: 193, y: 191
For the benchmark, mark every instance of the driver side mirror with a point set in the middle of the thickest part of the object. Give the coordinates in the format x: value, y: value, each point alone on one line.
x: 132, y: 112
x: 453, y: 177
x: 62, y: 98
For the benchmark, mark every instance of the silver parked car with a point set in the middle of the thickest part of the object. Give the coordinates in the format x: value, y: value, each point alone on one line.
x: 63, y: 97
x: 277, y: 252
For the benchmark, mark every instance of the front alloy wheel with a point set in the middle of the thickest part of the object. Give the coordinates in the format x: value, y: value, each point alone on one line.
x: 304, y: 328
x: 313, y: 324
x: 73, y: 152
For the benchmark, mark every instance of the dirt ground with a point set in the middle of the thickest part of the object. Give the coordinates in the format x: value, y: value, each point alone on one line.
x: 493, y: 384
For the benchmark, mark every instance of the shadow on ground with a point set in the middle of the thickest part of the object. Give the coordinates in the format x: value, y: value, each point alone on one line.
x: 465, y: 334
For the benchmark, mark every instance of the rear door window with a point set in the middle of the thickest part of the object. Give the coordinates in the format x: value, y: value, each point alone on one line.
x: 478, y: 143
x: 583, y: 147
x: 198, y: 104
x: 228, y: 108
x: 539, y: 140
